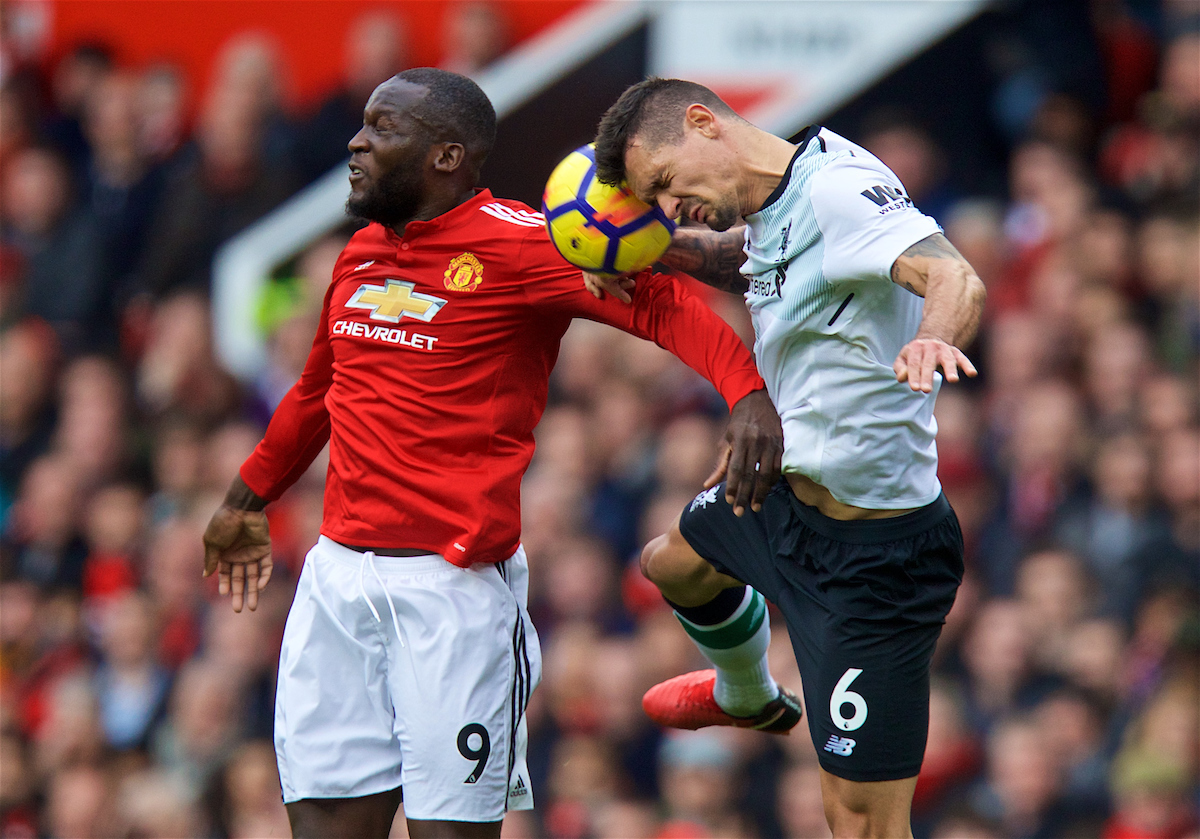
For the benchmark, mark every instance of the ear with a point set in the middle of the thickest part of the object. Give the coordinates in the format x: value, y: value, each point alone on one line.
x: 447, y: 157
x: 700, y: 118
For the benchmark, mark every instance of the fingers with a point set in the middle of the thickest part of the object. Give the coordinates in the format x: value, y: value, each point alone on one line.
x: 211, y: 555
x: 252, y: 585
x: 965, y: 363
x: 920, y: 359
x: 619, y: 287
x: 592, y: 283
x: 720, y: 471
x: 264, y: 572
x: 766, y: 476
x: 739, y: 483
x: 238, y: 586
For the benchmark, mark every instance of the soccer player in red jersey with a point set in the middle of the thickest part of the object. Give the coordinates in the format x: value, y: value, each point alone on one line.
x: 408, y: 656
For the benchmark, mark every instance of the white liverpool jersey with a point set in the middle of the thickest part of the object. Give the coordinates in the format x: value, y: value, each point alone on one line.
x: 829, y: 322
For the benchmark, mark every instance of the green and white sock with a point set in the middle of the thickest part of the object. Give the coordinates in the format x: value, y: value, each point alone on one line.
x: 737, y: 647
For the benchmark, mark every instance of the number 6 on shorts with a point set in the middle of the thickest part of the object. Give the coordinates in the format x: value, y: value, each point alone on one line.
x: 842, y: 695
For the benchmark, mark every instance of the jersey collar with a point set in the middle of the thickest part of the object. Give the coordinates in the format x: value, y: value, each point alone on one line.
x: 802, y: 142
x: 450, y: 218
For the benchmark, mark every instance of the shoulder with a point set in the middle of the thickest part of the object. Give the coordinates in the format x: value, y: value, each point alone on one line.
x: 512, y: 214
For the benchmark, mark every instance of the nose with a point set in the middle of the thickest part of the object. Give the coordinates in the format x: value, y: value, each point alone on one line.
x: 359, y: 141
x: 669, y: 205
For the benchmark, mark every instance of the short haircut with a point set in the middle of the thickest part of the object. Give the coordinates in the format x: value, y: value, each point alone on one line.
x: 456, y: 110
x: 651, y: 110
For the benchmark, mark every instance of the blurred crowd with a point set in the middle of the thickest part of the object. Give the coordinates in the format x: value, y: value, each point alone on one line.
x: 134, y: 703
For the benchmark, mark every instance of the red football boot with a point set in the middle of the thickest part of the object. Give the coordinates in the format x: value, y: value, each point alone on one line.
x: 687, y: 702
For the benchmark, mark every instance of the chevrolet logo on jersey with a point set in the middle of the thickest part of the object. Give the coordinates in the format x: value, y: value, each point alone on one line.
x: 395, y: 300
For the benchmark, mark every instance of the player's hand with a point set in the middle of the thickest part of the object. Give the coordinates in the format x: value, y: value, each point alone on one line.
x: 619, y: 286
x: 920, y: 357
x: 237, y: 546
x: 753, y: 453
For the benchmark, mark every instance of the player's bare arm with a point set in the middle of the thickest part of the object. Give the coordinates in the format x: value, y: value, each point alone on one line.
x: 712, y: 258
x: 954, y: 297
x: 237, y: 546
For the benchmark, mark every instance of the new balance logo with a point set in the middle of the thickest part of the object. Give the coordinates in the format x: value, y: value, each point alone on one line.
x: 709, y: 496
x: 843, y: 746
x: 518, y: 788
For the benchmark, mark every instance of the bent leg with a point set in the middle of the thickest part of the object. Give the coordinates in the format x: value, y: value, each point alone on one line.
x: 368, y: 817
x: 682, y: 575
x: 868, y: 810
x: 725, y: 618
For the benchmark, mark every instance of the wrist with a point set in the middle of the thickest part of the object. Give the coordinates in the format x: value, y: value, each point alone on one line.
x: 241, y: 497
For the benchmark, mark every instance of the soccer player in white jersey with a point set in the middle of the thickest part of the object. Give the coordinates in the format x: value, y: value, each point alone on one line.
x: 858, y: 300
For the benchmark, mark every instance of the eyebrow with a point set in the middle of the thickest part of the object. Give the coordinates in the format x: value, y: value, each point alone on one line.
x: 655, y: 186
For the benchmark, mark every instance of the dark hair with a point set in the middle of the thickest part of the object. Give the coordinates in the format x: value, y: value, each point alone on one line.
x: 457, y: 109
x: 651, y: 110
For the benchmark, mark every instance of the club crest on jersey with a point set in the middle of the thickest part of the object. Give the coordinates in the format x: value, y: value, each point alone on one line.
x: 464, y: 274
x: 395, y: 300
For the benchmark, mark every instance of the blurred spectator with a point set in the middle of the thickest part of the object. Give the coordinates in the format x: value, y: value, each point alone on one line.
x: 1151, y: 799
x: 79, y: 803
x: 28, y: 352
x: 130, y: 685
x: 912, y: 154
x: 202, y: 728
x: 250, y: 793
x: 474, y: 34
x: 160, y: 124
x: 123, y: 188
x: 376, y: 49
x: 1023, y: 783
x: 697, y: 777
x: 76, y: 77
x: 233, y: 178
x: 60, y: 247
x: 42, y: 540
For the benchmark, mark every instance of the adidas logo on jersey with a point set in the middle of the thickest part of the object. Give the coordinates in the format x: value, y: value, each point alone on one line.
x: 521, y: 218
x: 843, y: 746
x: 518, y: 788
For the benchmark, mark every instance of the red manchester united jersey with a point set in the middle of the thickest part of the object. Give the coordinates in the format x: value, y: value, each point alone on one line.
x: 430, y: 369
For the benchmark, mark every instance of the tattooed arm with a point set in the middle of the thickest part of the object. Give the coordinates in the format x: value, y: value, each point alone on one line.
x: 712, y: 258
x: 954, y: 296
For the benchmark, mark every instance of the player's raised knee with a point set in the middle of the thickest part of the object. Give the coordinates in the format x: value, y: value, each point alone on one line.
x: 653, y: 547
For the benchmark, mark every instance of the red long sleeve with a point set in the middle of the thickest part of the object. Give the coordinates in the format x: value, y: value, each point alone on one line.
x: 299, y: 428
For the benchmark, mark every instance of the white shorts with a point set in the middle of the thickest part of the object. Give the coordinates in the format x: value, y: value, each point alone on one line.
x: 425, y: 692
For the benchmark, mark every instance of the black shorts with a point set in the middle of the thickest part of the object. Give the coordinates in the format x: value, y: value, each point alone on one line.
x: 864, y: 602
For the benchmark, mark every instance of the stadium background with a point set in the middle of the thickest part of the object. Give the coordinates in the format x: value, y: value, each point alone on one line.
x: 1057, y: 143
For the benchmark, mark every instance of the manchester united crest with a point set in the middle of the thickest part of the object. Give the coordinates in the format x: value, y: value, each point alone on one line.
x: 464, y: 274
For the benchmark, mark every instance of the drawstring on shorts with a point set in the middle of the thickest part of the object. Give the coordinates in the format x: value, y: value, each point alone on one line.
x: 369, y: 558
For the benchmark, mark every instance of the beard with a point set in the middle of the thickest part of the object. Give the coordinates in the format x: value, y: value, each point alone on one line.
x: 722, y: 218
x: 392, y: 198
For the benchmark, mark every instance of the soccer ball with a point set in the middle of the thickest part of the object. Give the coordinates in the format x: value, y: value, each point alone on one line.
x: 600, y: 228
